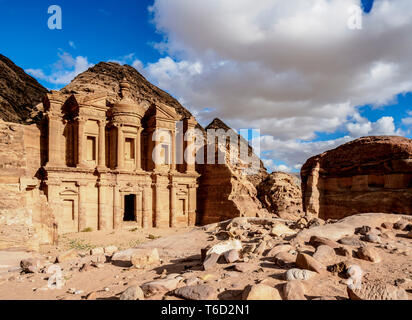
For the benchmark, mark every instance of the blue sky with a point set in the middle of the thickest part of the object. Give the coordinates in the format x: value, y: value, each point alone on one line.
x: 212, y: 57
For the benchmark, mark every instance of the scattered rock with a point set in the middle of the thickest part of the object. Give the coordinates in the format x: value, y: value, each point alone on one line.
x: 351, y: 241
x: 210, y: 261
x: 132, y: 293
x: 387, y: 225
x: 294, y: 290
x: 261, y: 292
x: 143, y: 258
x: 368, y: 254
x: 232, y: 256
x: 299, y: 274
x: 197, y: 292
x: 355, y: 274
x: 67, y: 256
x: 280, y: 248
x: 363, y: 230
x: 31, y: 265
x: 159, y: 286
x: 305, y: 261
x: 343, y: 251
x: 324, y: 254
x: 245, y: 267
x: 91, y: 296
x: 373, y: 238
x: 260, y: 249
x: 225, y: 246
x: 97, y: 251
x: 110, y: 250
x: 280, y: 230
x: 401, y: 225
x: 284, y: 258
x: 370, y: 291
x: 316, y: 241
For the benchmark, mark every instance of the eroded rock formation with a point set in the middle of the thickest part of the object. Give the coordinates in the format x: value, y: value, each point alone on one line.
x: 227, y: 190
x: 280, y: 193
x: 26, y: 220
x: 370, y: 174
x: 19, y: 94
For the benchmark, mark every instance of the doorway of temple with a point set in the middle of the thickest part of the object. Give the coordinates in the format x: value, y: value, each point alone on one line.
x: 129, y: 208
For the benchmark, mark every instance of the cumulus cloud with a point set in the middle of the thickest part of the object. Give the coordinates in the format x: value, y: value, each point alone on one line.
x: 291, y: 70
x: 64, y: 70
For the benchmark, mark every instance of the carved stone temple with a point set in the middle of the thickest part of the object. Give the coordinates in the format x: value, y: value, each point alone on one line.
x: 98, y: 170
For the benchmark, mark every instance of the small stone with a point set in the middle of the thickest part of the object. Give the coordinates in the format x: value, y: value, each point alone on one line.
x: 299, y: 274
x: 197, y: 292
x: 351, y: 241
x: 245, y: 267
x: 401, y: 225
x: 97, y: 251
x: 324, y: 254
x: 373, y: 238
x: 159, y: 286
x: 305, y: 261
x: 260, y: 249
x: 316, y: 241
x: 280, y: 230
x: 363, y: 230
x: 67, y: 256
x: 132, y: 293
x: 191, y: 281
x: 387, y: 225
x: 294, y: 290
x: 284, y: 258
x: 143, y: 258
x: 210, y: 261
x: 371, y: 291
x: 91, y: 296
x: 31, y: 265
x: 368, y: 254
x: 280, y: 248
x: 343, y: 251
x: 101, y: 258
x: 110, y: 250
x: 232, y: 256
x: 261, y: 292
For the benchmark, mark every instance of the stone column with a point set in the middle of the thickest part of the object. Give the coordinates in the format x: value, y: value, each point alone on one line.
x: 192, y: 204
x: 173, y: 211
x: 173, y: 146
x: 117, y: 208
x: 139, y: 150
x: 102, y: 144
x: 82, y: 205
x: 138, y: 208
x: 158, y: 211
x: 54, y: 201
x: 147, y: 206
x: 80, y: 143
x: 55, y: 151
x: 190, y: 159
x: 120, y: 148
x: 104, y: 214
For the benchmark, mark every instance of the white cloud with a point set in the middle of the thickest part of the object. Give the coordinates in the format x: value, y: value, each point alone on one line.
x: 72, y: 44
x: 64, y: 70
x: 292, y: 70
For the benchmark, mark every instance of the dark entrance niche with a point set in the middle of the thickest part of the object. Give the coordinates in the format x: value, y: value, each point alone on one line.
x: 129, y: 208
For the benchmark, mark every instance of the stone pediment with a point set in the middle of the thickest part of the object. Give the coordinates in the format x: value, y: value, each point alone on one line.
x: 165, y: 112
x: 69, y: 192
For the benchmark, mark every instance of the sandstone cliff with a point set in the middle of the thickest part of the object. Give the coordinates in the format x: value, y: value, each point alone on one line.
x: 370, y: 174
x: 26, y: 221
x: 226, y: 190
x: 19, y: 94
x: 281, y: 194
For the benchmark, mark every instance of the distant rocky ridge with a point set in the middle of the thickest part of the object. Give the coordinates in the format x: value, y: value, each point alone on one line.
x: 19, y: 94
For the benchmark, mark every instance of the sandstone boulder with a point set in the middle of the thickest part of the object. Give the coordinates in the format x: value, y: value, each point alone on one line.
x: 307, y: 262
x: 325, y: 255
x: 261, y: 292
x: 197, y: 292
x: 372, y: 291
x: 67, y: 256
x: 281, y: 194
x: 368, y: 254
x: 294, y: 290
x: 299, y: 274
x: 132, y: 293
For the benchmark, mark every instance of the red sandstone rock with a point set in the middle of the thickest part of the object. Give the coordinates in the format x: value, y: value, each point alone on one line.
x: 376, y: 171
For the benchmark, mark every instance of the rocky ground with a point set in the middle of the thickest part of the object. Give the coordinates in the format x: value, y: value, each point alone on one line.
x: 361, y: 257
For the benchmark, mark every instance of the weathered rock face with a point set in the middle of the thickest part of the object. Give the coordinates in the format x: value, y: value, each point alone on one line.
x: 105, y: 77
x: 19, y: 94
x: 280, y: 194
x: 228, y: 190
x: 26, y: 221
x: 371, y: 174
